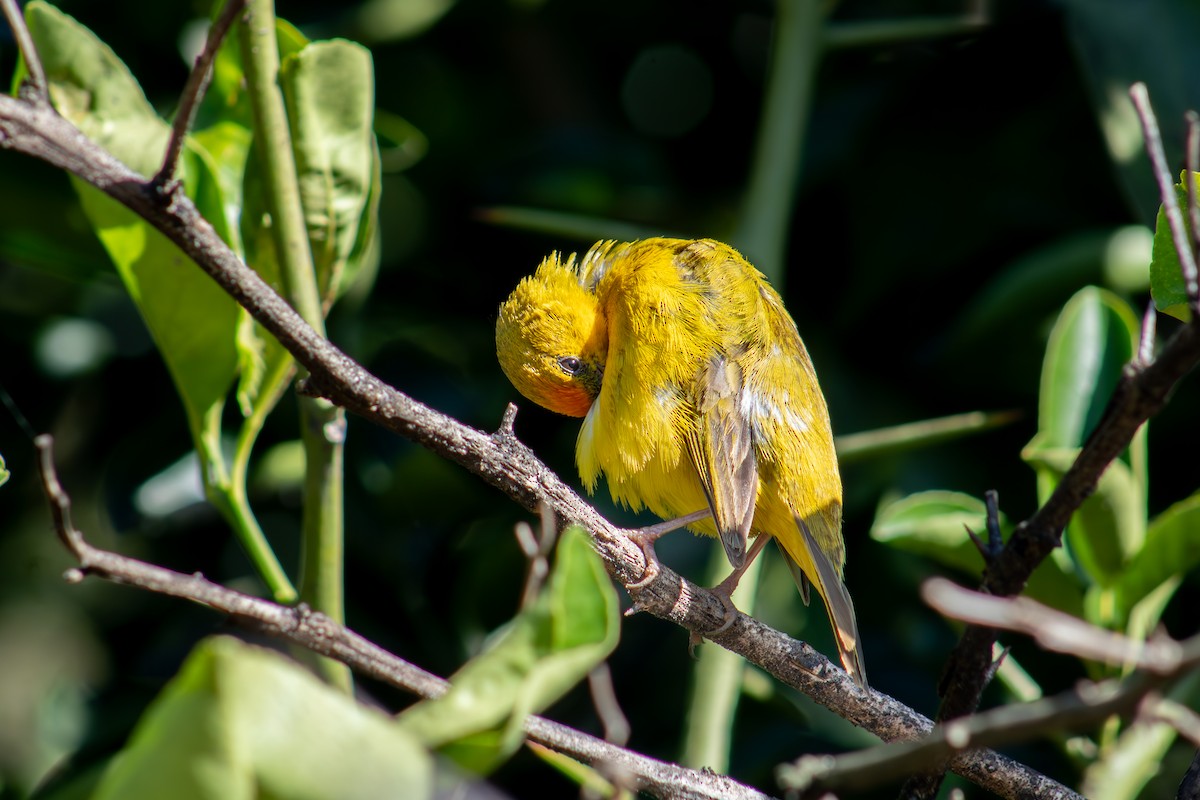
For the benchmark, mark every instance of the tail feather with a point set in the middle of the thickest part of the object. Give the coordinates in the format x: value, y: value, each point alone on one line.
x: 839, y: 605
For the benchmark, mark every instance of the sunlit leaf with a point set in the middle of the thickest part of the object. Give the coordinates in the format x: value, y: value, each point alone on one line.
x: 330, y: 92
x: 244, y: 722
x: 188, y: 315
x: 544, y: 652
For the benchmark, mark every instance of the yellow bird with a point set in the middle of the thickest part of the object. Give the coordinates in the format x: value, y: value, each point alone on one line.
x: 697, y: 395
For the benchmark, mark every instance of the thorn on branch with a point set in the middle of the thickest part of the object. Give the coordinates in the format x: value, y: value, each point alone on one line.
x: 505, y: 431
x: 995, y: 542
x: 995, y: 668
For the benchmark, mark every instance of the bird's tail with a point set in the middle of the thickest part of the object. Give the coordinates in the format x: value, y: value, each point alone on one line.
x: 837, y: 602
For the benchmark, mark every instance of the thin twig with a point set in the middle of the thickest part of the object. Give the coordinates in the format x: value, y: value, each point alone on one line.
x: 1082, y: 706
x: 1050, y: 628
x: 608, y: 708
x: 38, y: 90
x: 1192, y: 161
x: 1166, y: 187
x: 1159, y: 663
x: 194, y: 89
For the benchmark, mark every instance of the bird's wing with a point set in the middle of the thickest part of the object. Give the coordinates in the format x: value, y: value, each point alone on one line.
x: 722, y: 450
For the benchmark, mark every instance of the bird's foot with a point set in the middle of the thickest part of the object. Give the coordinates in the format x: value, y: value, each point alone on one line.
x: 645, y: 539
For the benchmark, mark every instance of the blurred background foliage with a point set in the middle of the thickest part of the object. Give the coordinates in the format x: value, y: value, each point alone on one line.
x: 954, y: 191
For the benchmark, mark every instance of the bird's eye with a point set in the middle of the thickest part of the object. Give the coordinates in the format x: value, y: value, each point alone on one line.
x: 570, y: 365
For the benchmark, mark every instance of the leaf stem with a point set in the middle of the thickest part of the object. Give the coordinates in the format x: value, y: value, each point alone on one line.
x: 323, y: 425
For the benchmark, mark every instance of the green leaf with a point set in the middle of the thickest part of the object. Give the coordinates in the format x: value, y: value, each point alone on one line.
x: 1166, y: 276
x: 1127, y: 765
x: 205, y: 339
x: 1093, y: 339
x: 188, y: 315
x: 1110, y: 526
x: 4, y: 473
x: 330, y: 93
x: 244, y: 722
x: 1171, y: 550
x: 934, y: 524
x: 544, y: 652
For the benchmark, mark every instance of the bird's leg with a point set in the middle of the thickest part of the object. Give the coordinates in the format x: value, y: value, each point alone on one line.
x: 646, y: 537
x: 725, y: 589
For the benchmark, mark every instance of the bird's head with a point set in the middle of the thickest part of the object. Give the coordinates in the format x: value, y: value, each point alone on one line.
x: 552, y: 340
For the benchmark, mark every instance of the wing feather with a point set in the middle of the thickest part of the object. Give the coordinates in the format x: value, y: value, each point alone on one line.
x: 722, y: 451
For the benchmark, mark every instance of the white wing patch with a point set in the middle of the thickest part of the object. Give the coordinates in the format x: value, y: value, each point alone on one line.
x: 758, y: 407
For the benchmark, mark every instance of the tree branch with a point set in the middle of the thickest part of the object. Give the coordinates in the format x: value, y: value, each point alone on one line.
x: 1140, y: 394
x: 1159, y: 662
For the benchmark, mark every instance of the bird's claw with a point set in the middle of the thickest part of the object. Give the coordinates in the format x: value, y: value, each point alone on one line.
x: 731, y: 616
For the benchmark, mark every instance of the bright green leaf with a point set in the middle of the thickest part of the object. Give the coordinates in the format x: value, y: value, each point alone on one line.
x: 244, y: 722
x: 4, y: 473
x: 1166, y: 278
x: 544, y: 652
x: 1093, y: 339
x: 1171, y: 550
x: 188, y: 315
x: 199, y: 330
x: 330, y: 93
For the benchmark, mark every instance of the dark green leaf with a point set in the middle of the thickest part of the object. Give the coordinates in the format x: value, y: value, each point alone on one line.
x: 1166, y: 277
x: 1092, y: 341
